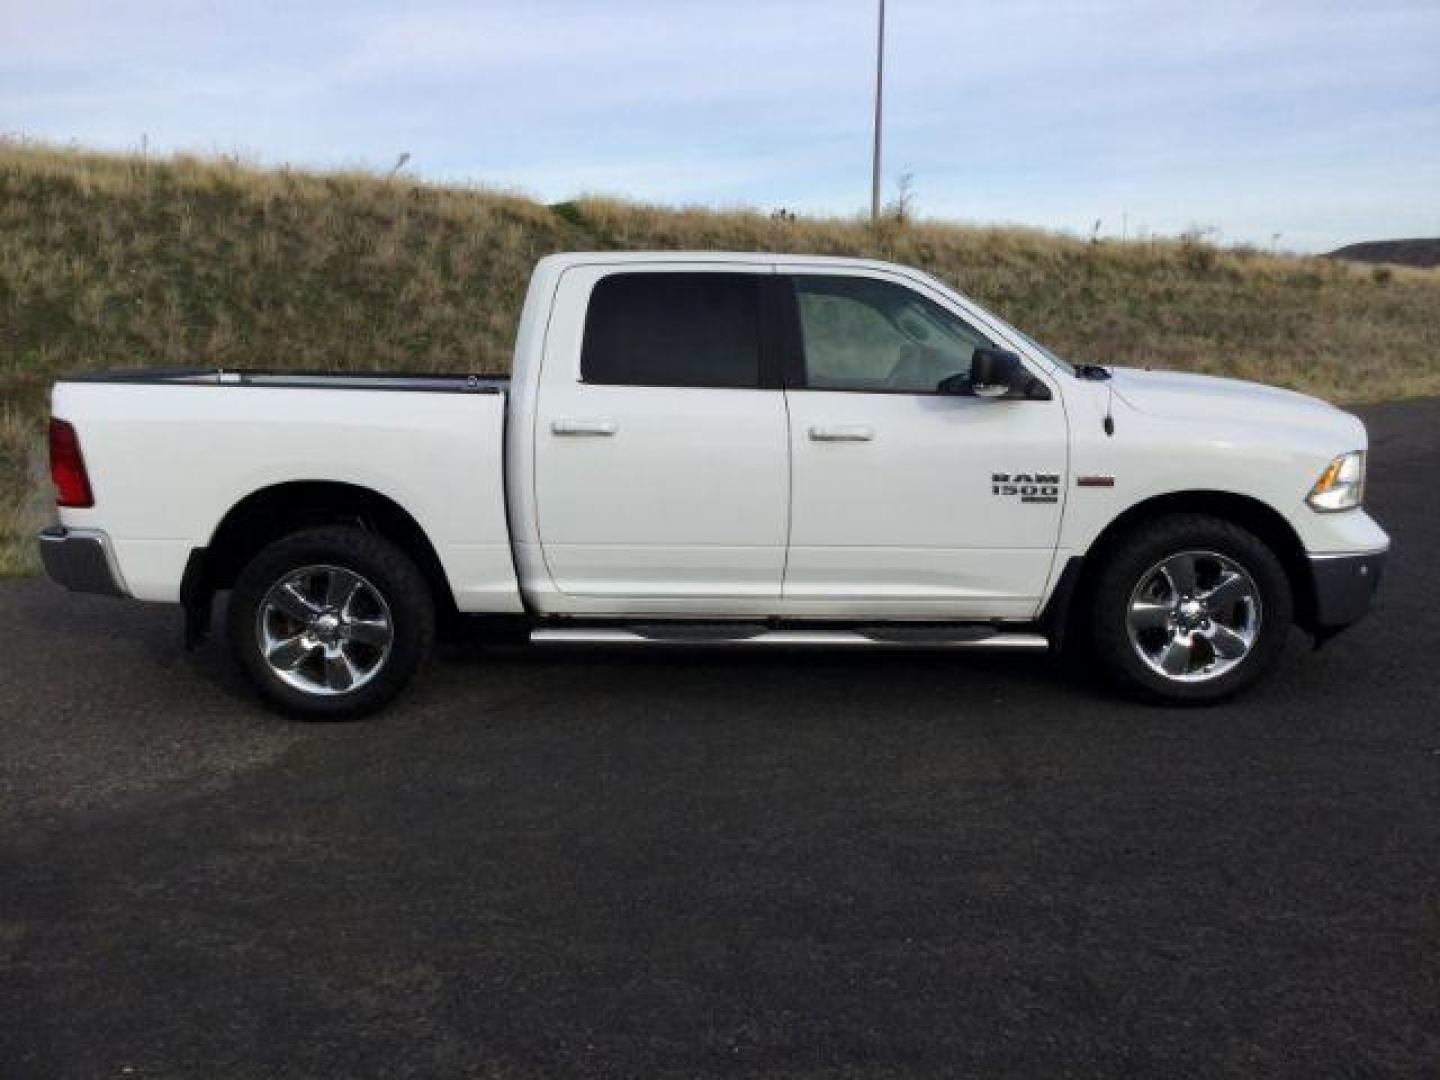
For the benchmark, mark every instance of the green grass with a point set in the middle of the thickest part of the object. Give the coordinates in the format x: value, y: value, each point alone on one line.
x: 115, y: 261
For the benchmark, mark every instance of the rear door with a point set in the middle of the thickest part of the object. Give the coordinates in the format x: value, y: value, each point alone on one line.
x: 661, y: 438
x: 907, y: 501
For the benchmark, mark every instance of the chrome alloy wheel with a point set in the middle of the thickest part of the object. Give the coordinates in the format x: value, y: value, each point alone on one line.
x: 324, y: 630
x: 1194, y: 616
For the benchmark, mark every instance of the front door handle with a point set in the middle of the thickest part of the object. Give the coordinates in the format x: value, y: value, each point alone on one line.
x: 841, y: 432
x: 567, y: 426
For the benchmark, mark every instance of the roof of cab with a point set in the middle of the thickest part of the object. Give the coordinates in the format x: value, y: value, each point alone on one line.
x: 582, y: 258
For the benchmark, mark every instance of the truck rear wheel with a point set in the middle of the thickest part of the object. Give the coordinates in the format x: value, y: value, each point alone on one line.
x: 331, y: 623
x: 1190, y: 608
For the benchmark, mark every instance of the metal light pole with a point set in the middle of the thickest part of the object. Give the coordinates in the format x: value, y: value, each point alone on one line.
x: 879, y: 114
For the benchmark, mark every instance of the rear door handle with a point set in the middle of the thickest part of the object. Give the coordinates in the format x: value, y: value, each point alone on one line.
x: 567, y: 426
x: 841, y: 432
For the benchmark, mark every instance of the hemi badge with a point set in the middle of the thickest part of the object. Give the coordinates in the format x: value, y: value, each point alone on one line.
x: 1095, y: 481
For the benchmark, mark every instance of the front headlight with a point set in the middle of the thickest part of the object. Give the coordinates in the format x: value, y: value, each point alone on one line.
x: 1342, y: 485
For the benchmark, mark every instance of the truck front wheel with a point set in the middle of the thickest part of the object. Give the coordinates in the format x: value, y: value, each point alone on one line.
x: 1190, y: 608
x: 331, y: 623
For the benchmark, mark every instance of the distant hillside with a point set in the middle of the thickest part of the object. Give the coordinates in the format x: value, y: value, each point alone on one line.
x: 1423, y: 253
x: 111, y: 260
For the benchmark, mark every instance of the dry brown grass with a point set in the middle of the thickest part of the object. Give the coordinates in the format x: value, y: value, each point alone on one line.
x: 24, y: 488
x: 113, y: 261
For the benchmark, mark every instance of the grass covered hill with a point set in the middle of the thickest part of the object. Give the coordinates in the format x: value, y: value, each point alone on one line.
x: 111, y: 261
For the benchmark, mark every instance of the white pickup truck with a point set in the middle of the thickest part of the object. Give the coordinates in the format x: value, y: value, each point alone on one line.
x: 723, y: 449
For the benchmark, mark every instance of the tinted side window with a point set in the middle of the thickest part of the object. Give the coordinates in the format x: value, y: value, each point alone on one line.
x: 864, y: 334
x: 673, y: 329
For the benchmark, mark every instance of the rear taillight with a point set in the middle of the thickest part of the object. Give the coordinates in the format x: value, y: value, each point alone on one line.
x: 67, y: 467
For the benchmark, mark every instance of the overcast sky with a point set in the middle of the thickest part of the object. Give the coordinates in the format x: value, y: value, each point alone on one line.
x: 1316, y: 120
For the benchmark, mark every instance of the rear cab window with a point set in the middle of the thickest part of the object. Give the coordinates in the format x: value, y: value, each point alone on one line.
x: 674, y: 329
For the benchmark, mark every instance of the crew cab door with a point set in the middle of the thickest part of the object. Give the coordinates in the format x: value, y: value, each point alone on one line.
x: 897, y: 506
x: 661, y: 451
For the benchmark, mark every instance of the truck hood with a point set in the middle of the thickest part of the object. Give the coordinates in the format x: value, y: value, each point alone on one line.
x: 1175, y: 395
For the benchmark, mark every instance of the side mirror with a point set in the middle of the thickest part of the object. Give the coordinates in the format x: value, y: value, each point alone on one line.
x: 993, y: 372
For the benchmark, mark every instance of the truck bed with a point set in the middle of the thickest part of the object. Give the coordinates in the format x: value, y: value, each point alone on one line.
x: 172, y: 452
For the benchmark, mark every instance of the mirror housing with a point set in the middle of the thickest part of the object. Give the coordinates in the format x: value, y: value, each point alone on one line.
x: 995, y: 373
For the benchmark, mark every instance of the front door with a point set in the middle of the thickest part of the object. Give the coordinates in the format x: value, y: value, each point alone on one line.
x: 661, y: 459
x: 905, y: 501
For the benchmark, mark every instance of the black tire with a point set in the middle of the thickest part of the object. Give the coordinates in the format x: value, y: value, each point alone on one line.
x: 400, y: 604
x: 1136, y: 558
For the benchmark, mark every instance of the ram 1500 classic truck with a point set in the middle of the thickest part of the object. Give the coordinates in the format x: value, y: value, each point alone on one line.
x: 702, y: 449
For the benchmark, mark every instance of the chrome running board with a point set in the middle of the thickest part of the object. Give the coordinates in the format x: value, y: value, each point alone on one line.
x: 746, y: 635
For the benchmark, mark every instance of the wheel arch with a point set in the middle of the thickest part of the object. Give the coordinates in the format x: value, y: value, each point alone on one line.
x: 267, y: 514
x: 1250, y: 513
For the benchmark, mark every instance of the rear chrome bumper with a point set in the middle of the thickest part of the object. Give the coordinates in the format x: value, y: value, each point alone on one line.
x: 82, y: 560
x: 1345, y: 586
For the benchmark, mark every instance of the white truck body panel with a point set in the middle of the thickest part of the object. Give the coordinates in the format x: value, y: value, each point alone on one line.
x: 888, y: 521
x: 1266, y: 444
x: 649, y: 492
x: 168, y: 462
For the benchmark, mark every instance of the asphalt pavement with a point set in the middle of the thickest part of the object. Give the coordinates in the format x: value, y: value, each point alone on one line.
x: 669, y: 863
